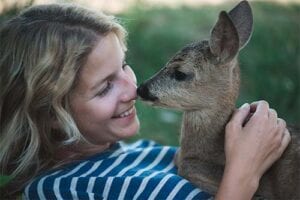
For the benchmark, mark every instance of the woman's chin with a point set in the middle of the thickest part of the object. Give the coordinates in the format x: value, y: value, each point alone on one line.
x: 131, y: 130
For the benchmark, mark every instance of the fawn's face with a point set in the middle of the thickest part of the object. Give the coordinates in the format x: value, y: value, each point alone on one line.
x: 203, y: 74
x: 190, y: 80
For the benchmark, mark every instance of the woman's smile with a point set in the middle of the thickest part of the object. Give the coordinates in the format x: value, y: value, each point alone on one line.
x: 126, y: 113
x: 126, y: 118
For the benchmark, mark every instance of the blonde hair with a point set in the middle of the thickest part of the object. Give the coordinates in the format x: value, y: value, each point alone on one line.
x: 41, y: 53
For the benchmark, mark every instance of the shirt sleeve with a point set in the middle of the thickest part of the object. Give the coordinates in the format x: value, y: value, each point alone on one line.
x: 160, y: 187
x: 144, y: 172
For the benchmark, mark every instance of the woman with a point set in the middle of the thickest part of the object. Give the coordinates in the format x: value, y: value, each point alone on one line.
x: 68, y: 99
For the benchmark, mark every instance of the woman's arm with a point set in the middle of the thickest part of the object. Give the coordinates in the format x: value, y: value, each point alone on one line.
x: 250, y: 149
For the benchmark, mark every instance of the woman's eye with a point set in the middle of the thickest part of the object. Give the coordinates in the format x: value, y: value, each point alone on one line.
x: 104, y: 91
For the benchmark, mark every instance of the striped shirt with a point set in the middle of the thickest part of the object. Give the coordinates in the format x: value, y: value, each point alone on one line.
x: 142, y: 170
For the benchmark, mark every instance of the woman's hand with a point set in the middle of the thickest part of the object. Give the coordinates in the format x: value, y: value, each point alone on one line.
x: 255, y: 138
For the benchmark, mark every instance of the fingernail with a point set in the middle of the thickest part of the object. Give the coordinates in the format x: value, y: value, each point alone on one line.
x: 245, y: 105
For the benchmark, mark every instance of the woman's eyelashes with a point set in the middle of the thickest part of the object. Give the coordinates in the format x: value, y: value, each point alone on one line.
x: 109, y: 84
x: 106, y: 89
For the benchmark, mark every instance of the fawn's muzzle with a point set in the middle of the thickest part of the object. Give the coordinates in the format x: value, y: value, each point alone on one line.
x: 144, y: 93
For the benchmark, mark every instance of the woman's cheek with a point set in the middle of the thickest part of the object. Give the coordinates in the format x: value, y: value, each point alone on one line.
x: 106, y: 106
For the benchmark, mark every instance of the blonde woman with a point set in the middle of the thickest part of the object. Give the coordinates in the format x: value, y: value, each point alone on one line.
x: 67, y: 99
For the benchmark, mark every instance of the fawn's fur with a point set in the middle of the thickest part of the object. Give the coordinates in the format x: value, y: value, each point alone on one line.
x: 203, y: 80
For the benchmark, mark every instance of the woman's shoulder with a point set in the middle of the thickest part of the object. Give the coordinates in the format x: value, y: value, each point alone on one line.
x: 125, y: 171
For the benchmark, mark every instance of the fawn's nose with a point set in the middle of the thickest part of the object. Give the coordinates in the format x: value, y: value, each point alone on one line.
x: 143, y: 92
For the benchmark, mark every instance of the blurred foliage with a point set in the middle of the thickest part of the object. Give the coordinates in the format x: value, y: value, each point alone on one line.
x: 270, y: 63
x: 4, y: 180
x: 12, y: 8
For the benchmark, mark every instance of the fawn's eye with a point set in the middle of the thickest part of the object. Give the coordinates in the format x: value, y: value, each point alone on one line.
x: 179, y: 76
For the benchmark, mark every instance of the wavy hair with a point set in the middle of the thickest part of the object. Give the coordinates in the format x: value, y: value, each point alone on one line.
x: 41, y: 53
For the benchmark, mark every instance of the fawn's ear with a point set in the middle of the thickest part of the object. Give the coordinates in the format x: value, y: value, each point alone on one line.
x: 242, y: 18
x: 224, y: 39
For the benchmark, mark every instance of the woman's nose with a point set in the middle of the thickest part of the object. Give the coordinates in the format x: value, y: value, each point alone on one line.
x: 129, y: 86
x: 129, y: 91
x: 128, y: 70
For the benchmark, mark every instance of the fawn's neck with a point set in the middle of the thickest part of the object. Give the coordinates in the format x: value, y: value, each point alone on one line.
x: 203, y: 134
x: 203, y: 131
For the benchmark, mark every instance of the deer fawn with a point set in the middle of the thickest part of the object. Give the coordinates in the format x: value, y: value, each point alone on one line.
x: 203, y: 80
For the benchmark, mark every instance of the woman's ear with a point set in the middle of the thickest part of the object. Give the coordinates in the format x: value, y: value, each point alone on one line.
x: 55, y: 124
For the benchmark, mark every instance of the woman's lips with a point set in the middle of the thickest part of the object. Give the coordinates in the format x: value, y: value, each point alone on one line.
x: 125, y: 118
x: 125, y: 113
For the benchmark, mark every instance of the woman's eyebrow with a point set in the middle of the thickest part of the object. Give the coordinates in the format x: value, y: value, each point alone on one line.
x: 99, y: 82
x: 108, y: 77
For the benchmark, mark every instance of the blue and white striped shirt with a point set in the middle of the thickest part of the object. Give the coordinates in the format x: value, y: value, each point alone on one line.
x: 142, y: 170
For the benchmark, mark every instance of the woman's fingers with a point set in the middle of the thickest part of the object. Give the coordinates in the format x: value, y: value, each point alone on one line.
x: 240, y: 114
x: 272, y: 115
x: 278, y: 133
x: 237, y: 121
x: 260, y: 107
x: 286, y: 138
x: 263, y: 138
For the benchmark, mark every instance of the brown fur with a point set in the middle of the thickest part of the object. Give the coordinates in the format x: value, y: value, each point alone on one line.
x: 202, y: 80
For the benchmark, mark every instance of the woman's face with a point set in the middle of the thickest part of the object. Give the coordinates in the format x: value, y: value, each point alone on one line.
x: 103, y: 102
